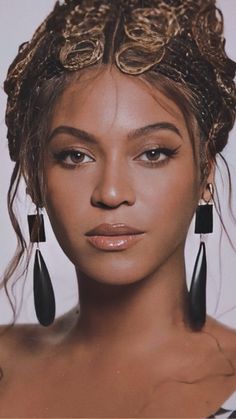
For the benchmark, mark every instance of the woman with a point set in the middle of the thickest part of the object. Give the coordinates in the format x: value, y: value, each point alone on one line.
x: 116, y: 113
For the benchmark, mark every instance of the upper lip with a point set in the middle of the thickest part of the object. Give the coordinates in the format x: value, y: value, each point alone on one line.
x: 118, y: 229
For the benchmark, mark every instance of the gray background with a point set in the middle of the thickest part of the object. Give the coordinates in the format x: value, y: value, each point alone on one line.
x: 19, y: 19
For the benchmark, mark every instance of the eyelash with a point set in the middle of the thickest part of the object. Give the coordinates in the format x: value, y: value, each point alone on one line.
x: 169, y: 153
x: 61, y: 156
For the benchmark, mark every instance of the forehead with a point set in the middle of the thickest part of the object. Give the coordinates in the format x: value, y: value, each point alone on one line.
x: 104, y: 100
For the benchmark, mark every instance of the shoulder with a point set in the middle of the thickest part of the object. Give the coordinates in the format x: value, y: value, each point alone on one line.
x: 225, y: 337
x: 26, y: 339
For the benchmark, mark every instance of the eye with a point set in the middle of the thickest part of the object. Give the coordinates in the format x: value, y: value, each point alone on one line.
x: 157, y: 155
x: 72, y: 157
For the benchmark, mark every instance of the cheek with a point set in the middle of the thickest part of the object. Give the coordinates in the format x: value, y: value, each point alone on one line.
x: 67, y: 203
x: 169, y: 205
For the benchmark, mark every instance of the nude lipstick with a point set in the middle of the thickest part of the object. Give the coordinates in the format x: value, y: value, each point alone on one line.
x: 114, y: 237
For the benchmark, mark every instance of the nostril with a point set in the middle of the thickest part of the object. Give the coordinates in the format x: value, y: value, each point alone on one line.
x: 104, y: 206
x: 112, y: 192
x: 109, y: 206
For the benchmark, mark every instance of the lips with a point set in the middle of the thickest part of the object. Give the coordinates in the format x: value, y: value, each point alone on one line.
x: 114, y: 237
x: 113, y: 230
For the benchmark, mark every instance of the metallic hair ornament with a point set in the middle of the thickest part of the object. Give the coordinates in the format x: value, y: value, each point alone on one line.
x: 180, y: 39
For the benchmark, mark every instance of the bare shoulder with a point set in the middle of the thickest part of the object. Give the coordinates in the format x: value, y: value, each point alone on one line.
x: 31, y: 339
x: 225, y: 336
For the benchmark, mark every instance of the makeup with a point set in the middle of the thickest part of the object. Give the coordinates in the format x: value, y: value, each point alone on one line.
x: 114, y: 236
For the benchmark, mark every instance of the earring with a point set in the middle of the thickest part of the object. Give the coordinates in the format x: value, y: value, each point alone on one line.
x: 44, y: 300
x: 197, y: 293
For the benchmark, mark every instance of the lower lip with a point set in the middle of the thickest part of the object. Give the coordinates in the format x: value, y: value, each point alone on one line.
x: 114, y: 242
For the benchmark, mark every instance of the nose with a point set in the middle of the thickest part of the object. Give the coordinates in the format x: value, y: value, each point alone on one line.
x: 113, y: 187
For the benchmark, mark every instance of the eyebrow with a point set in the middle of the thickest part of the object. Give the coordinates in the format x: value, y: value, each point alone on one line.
x: 75, y: 132
x: 139, y: 132
x: 158, y: 126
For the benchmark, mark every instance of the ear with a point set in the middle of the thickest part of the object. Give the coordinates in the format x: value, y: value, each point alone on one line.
x: 206, y: 191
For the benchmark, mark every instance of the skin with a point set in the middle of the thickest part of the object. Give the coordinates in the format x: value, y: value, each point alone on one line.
x: 131, y: 351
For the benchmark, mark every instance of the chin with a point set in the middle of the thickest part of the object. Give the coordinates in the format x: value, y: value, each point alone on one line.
x: 123, y: 273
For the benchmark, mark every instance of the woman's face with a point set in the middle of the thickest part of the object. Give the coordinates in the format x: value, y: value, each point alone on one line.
x: 119, y: 153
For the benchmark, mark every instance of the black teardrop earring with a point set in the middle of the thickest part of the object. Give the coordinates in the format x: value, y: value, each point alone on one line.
x: 44, y: 300
x: 197, y: 293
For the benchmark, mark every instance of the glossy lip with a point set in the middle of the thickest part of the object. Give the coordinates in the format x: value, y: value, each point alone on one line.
x: 117, y: 229
x: 114, y: 243
x: 114, y: 237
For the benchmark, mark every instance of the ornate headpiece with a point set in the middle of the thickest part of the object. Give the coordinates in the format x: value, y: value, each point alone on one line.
x: 180, y: 39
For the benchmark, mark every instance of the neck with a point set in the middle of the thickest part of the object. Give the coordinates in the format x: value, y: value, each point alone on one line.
x: 153, y: 308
